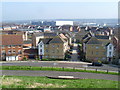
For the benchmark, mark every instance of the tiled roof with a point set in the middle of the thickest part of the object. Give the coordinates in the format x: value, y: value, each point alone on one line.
x: 12, y: 39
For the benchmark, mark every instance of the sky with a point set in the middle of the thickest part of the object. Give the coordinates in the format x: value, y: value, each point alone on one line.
x: 58, y: 10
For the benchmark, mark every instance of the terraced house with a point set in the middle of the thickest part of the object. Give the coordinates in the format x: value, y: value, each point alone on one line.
x: 97, y: 49
x: 54, y: 48
x: 11, y: 47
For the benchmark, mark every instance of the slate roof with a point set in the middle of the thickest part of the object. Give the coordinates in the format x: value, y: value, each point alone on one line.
x: 38, y: 34
x: 57, y: 40
x: 28, y: 42
x: 102, y: 37
x: 50, y: 34
x: 108, y: 44
x: 45, y: 40
x: 45, y: 34
x: 94, y: 40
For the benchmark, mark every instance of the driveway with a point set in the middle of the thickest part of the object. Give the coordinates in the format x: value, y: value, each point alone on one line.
x: 59, y: 73
x: 74, y: 53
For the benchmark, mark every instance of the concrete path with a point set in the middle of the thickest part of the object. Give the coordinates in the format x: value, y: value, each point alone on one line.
x: 59, y: 73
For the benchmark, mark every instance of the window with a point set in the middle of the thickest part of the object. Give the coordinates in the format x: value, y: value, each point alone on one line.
x: 9, y: 46
x: 104, y: 53
x: 92, y: 52
x: 3, y: 52
x: 9, y: 51
x: 3, y: 47
x: 13, y: 46
x: 13, y: 51
x: 110, y: 47
x: 53, y: 51
x: 40, y: 50
x: 96, y: 53
x: 40, y: 45
x: 46, y: 50
x: 110, y: 53
x: 19, y: 46
x: 97, y: 47
x: 19, y: 52
x: 103, y: 58
x: 53, y: 56
x: 58, y: 45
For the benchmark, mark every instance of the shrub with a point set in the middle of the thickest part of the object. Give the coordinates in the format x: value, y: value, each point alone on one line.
x: 87, y: 60
x: 51, y: 59
x: 25, y: 58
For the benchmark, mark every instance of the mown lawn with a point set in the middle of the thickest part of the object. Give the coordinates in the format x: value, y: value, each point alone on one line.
x: 53, y: 69
x: 44, y: 82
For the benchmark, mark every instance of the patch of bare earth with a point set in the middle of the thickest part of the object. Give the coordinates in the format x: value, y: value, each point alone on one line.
x: 34, y: 85
x: 10, y: 81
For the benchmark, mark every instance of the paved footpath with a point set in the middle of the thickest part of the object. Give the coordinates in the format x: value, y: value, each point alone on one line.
x: 60, y: 73
x: 57, y: 64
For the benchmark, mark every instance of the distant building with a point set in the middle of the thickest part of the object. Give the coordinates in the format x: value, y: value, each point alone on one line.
x: 60, y: 23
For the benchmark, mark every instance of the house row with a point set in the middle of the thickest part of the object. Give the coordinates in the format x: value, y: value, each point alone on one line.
x: 43, y: 45
x: 51, y: 45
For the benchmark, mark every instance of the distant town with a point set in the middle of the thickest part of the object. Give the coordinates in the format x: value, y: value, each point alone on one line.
x: 62, y: 40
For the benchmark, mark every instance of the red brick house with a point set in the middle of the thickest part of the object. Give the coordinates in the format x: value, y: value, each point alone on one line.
x: 11, y: 47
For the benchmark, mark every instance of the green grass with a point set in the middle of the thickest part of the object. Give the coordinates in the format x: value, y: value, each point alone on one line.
x: 53, y: 69
x: 44, y: 82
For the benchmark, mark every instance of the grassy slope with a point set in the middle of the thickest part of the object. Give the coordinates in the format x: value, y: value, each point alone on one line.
x: 44, y: 82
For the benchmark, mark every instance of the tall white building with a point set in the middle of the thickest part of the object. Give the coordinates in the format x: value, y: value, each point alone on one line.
x: 60, y: 23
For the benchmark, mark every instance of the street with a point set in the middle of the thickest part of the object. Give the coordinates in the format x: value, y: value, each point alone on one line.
x: 59, y: 64
x: 60, y: 73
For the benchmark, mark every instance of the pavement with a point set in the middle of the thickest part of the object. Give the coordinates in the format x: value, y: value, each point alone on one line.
x: 59, y: 64
x: 83, y: 75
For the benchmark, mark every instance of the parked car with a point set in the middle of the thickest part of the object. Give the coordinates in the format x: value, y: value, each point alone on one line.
x: 96, y: 64
x: 69, y: 56
x: 78, y: 57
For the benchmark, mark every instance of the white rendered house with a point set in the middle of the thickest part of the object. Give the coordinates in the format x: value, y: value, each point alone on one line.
x: 110, y: 51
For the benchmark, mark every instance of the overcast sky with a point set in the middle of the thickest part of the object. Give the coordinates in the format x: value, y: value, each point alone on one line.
x: 58, y: 10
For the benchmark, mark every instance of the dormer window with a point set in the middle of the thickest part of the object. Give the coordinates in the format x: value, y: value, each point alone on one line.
x: 9, y: 52
x: 40, y: 45
x: 110, y: 47
x: 9, y: 46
